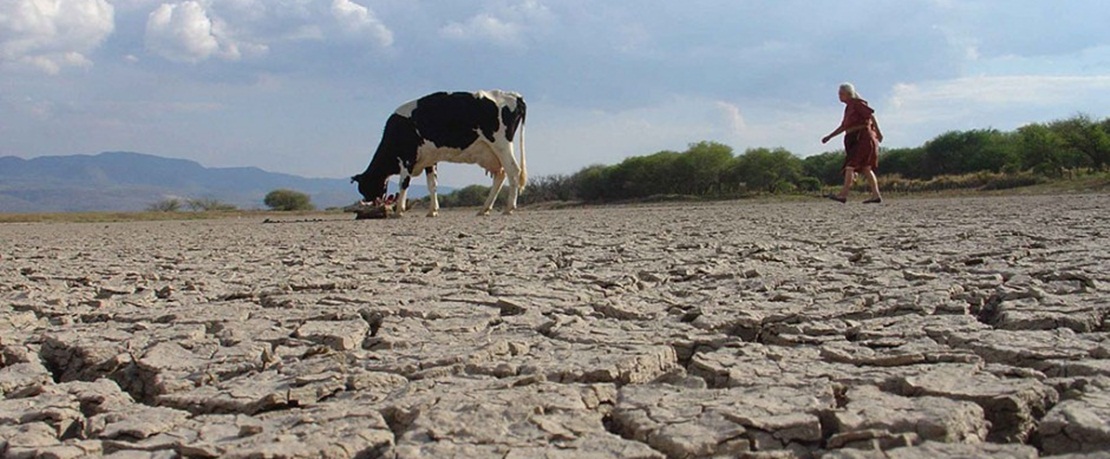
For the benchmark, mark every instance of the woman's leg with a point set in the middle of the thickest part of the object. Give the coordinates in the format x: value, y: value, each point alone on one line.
x: 874, y: 182
x: 849, y: 178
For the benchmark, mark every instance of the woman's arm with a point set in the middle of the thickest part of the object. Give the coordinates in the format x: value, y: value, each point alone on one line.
x: 844, y: 130
x: 849, y: 130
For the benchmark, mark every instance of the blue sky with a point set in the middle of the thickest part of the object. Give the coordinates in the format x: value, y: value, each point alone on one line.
x: 305, y: 86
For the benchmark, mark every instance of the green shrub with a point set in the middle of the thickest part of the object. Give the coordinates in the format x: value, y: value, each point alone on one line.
x: 288, y: 200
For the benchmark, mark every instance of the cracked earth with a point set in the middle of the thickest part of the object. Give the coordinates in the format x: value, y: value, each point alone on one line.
x: 920, y: 328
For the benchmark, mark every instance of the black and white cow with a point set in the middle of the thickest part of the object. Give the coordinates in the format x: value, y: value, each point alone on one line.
x: 458, y: 127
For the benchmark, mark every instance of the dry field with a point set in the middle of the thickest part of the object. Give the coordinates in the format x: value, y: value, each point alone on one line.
x: 953, y: 327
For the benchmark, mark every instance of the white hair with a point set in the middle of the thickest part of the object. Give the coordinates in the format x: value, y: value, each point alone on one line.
x: 850, y: 89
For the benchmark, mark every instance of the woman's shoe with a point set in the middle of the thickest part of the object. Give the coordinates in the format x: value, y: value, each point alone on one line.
x: 836, y: 198
x: 874, y: 201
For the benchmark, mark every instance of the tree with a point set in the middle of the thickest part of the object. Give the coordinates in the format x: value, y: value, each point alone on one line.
x: 701, y: 167
x: 165, y: 205
x: 1042, y: 150
x: 288, y: 200
x: 1087, y: 141
x: 549, y: 188
x: 767, y: 170
x: 825, y: 167
x: 963, y: 152
x: 209, y: 205
x: 642, y: 176
x: 469, y: 196
x: 592, y: 183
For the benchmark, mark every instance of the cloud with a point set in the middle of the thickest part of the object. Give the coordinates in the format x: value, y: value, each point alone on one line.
x: 508, y: 27
x: 185, y: 32
x: 484, y: 26
x: 916, y: 112
x: 53, y: 35
x: 733, y: 118
x: 198, y: 30
x: 358, y: 20
x: 996, y: 92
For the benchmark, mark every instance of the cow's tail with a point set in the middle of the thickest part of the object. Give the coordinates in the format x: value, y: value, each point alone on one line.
x: 523, y: 167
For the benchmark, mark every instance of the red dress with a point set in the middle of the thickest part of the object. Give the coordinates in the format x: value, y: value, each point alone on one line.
x: 862, y: 146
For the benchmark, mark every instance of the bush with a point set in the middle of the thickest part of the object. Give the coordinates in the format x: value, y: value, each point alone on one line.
x: 165, y: 205
x: 209, y: 205
x: 470, y: 196
x: 809, y: 184
x: 1008, y: 181
x: 288, y: 200
x: 784, y: 187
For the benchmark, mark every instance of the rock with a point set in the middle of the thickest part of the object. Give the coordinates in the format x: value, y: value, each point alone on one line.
x: 96, y: 397
x: 933, y: 450
x: 27, y: 440
x: 296, y: 385
x: 341, y: 335
x: 1040, y: 311
x: 518, y: 417
x: 419, y: 348
x: 716, y: 422
x: 510, y: 307
x: 894, y: 354
x: 1078, y: 425
x: 85, y: 354
x: 1031, y: 349
x: 758, y: 365
x: 329, y: 429
x: 23, y: 379
x: 60, y: 412
x: 880, y: 415
x: 1011, y: 405
x: 134, y: 422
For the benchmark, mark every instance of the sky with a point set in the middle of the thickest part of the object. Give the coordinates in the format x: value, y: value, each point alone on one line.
x: 305, y: 86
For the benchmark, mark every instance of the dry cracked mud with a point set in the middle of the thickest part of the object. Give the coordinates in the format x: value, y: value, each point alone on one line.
x: 920, y: 328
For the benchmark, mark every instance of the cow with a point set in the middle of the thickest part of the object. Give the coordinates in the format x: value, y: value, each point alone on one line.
x: 457, y: 127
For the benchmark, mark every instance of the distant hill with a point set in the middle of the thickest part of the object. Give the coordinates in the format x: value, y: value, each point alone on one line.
x: 122, y: 181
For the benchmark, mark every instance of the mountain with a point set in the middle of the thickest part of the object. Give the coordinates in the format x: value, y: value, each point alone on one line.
x: 124, y: 181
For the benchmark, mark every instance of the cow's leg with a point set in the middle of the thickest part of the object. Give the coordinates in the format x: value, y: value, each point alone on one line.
x: 431, y: 171
x: 508, y: 162
x: 498, y: 181
x: 402, y: 196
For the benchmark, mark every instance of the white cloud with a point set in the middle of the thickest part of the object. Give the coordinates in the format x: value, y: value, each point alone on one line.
x: 186, y: 32
x: 508, y: 28
x: 733, y: 118
x: 358, y: 20
x: 181, y: 32
x: 996, y: 92
x: 197, y: 30
x: 53, y: 34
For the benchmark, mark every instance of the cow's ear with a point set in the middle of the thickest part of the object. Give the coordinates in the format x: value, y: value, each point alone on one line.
x: 356, y: 178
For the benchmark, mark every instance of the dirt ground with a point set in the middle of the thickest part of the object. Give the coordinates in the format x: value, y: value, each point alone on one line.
x: 949, y: 327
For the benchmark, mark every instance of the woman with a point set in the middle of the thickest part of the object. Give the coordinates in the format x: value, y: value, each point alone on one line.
x: 861, y: 142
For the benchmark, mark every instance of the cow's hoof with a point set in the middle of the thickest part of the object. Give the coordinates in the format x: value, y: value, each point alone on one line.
x: 507, y: 212
x: 433, y: 214
x: 484, y: 213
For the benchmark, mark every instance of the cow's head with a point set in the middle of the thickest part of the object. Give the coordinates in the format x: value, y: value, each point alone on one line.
x: 372, y: 189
